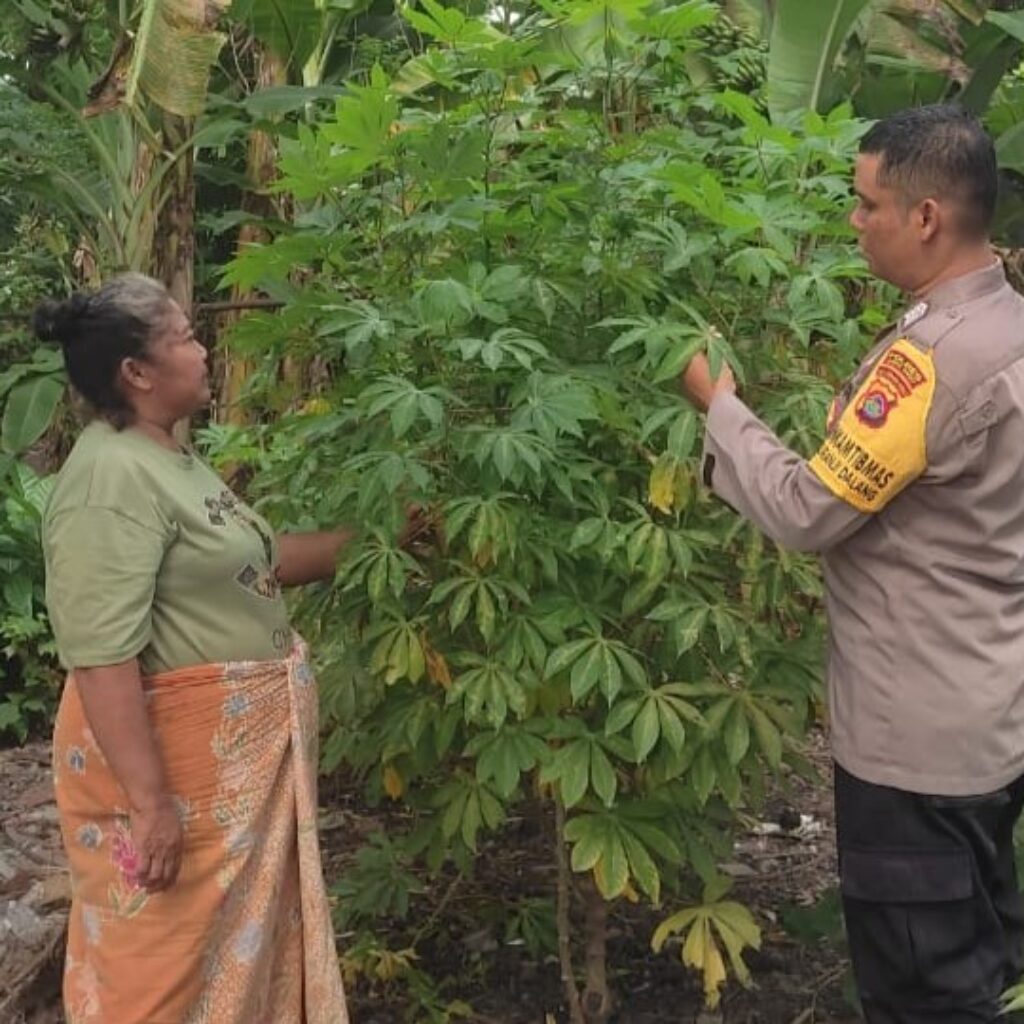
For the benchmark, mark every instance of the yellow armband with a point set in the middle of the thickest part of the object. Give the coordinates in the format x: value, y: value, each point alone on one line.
x: 878, y: 445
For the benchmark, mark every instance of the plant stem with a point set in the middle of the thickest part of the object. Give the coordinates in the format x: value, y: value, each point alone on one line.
x: 564, y: 895
x: 597, y: 999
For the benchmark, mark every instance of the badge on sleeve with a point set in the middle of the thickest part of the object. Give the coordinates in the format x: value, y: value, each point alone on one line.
x: 878, y: 445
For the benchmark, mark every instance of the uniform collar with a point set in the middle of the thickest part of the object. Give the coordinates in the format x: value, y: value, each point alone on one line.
x: 967, y: 287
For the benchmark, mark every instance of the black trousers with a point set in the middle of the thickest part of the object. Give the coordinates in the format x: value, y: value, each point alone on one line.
x: 934, y: 917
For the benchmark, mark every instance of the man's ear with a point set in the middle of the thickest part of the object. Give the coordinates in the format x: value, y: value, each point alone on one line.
x: 133, y: 375
x: 929, y: 219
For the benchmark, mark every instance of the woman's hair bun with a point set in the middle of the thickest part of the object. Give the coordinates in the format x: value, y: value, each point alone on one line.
x: 57, y: 322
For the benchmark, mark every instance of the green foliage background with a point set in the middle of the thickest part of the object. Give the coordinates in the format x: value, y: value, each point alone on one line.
x: 495, y: 246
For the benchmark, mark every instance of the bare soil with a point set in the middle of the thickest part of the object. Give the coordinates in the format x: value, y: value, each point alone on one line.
x: 786, y: 860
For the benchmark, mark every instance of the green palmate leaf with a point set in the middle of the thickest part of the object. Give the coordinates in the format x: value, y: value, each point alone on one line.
x: 586, y: 672
x: 573, y: 770
x: 769, y: 738
x: 449, y: 25
x: 562, y: 657
x: 506, y: 346
x: 551, y: 405
x: 646, y: 729
x: 488, y: 693
x: 503, y: 755
x: 621, y: 715
x: 736, y: 733
x: 642, y: 866
x: 405, y: 403
x: 172, y: 54
x: 703, y: 774
x: 485, y: 613
x: 587, y: 532
x: 602, y: 775
x: 611, y: 673
x: 619, y: 847
x: 29, y: 411
x: 363, y: 121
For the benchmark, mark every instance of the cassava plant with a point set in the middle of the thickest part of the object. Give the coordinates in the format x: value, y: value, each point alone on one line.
x: 508, y: 248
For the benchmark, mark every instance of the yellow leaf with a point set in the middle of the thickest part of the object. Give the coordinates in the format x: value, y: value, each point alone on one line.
x: 484, y: 555
x: 437, y: 667
x: 695, y: 947
x: 315, y: 407
x: 393, y: 782
x: 391, y: 965
x: 714, y: 974
x: 661, y: 489
x: 683, y: 487
x: 630, y: 893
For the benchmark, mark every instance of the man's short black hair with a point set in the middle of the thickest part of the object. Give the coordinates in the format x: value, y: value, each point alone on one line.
x: 939, y: 151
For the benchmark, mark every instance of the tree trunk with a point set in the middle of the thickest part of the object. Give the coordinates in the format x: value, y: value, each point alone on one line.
x: 174, y: 245
x: 174, y: 240
x: 261, y: 166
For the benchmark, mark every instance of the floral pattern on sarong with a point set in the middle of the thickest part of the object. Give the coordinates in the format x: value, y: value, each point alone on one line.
x: 244, y: 935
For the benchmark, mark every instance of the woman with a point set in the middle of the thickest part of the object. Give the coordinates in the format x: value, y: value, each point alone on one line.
x: 185, y: 747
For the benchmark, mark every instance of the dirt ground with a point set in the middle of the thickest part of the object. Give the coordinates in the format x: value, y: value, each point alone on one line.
x: 785, y: 861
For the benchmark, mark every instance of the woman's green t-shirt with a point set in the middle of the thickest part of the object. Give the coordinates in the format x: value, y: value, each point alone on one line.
x: 149, y: 554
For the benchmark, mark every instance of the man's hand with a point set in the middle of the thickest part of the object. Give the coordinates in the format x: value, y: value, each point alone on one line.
x: 157, y: 837
x: 699, y: 386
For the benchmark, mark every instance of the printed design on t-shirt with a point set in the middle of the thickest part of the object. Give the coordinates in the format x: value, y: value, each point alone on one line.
x: 877, y: 446
x: 259, y: 580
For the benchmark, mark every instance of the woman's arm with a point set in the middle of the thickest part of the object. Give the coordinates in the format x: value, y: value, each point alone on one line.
x: 115, y: 709
x: 308, y: 557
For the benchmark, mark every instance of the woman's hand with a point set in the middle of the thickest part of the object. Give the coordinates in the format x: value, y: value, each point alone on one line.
x: 423, y: 527
x: 157, y: 837
x: 115, y: 708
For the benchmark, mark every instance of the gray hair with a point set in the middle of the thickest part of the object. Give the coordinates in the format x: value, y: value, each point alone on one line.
x: 135, y: 295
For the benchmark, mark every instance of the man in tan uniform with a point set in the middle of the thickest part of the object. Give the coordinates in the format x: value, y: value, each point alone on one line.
x: 916, y: 503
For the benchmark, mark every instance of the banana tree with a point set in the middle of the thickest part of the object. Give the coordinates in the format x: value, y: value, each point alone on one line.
x: 298, y: 48
x: 138, y: 119
x: 886, y: 53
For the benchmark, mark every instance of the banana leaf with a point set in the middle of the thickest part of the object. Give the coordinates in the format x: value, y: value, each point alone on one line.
x: 174, y: 48
x: 806, y: 39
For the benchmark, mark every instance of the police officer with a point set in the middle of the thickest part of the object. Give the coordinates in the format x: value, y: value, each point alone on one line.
x: 916, y: 503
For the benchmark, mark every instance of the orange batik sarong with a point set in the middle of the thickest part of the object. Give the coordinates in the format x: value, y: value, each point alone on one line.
x: 244, y: 935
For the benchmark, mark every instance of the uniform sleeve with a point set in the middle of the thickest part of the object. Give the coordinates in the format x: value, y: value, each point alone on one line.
x: 101, y: 572
x: 900, y: 426
x: 767, y: 483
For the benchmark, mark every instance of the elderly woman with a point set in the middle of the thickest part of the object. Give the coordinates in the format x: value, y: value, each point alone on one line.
x: 185, y: 748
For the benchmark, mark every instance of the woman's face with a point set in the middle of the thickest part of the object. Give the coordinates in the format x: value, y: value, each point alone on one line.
x: 175, y: 367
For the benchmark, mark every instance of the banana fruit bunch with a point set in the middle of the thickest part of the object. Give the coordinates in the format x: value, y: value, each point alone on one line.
x: 63, y: 29
x: 737, y: 58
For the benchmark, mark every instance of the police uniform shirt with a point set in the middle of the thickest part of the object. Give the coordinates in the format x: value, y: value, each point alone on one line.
x: 916, y: 502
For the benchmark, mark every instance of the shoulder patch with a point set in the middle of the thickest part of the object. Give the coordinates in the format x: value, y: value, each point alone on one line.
x: 878, y: 445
